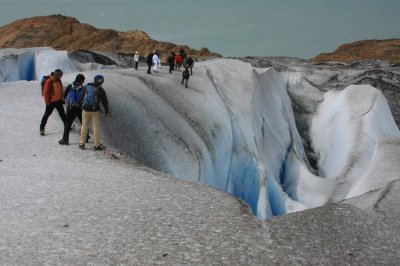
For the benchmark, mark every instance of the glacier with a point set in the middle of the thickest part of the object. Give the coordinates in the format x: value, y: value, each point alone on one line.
x: 235, y: 128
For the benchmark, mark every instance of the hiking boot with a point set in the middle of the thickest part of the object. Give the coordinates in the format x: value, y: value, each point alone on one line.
x: 82, y: 146
x: 100, y: 147
x: 63, y: 142
x: 41, y: 132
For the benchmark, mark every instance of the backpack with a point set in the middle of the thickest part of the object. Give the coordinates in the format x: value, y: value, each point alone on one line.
x: 186, y: 74
x: 74, y: 96
x: 91, y: 99
x: 44, y: 78
x: 189, y: 61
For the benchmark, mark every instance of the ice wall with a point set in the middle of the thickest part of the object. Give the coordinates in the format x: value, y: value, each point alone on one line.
x: 234, y: 128
x: 33, y: 63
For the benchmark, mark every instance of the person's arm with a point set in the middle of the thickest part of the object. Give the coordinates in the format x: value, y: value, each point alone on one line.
x: 104, y: 100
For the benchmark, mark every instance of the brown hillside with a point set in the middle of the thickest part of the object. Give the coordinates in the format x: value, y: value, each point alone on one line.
x: 67, y: 33
x: 388, y: 50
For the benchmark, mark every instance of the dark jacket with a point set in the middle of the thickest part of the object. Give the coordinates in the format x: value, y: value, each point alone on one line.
x: 171, y: 59
x: 102, y: 98
x: 150, y: 59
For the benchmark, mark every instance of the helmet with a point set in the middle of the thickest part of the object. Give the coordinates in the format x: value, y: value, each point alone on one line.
x: 98, y: 79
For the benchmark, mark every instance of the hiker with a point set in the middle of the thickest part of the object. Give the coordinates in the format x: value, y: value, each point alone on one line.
x: 53, y: 93
x: 190, y: 64
x: 179, y: 61
x: 93, y: 94
x: 73, y: 95
x: 149, y: 62
x: 136, y: 59
x: 156, y: 62
x: 183, y: 54
x: 185, y: 76
x: 171, y: 61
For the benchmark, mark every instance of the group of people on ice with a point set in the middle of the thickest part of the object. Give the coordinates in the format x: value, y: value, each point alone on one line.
x: 175, y: 62
x: 83, y: 101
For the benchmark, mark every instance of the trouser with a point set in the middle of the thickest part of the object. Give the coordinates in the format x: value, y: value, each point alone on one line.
x: 171, y: 68
x: 178, y: 66
x: 191, y: 69
x: 155, y: 67
x: 72, y: 113
x: 86, y: 118
x: 183, y: 79
x: 136, y: 65
x: 49, y: 110
x: 148, y: 68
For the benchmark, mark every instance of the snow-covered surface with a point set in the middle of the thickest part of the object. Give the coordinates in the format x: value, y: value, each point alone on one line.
x: 233, y: 129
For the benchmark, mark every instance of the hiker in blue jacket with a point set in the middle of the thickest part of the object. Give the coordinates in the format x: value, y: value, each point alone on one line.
x: 73, y: 96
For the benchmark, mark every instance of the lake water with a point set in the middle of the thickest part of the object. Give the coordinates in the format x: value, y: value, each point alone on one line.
x: 300, y: 28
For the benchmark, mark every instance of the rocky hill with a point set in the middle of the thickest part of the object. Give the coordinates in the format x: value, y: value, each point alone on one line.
x: 67, y: 33
x: 387, y: 50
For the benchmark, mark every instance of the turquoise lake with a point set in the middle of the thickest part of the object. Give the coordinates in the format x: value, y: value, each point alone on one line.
x: 302, y: 28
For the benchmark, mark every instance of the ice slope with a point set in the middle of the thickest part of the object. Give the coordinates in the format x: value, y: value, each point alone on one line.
x: 234, y: 129
x: 60, y: 205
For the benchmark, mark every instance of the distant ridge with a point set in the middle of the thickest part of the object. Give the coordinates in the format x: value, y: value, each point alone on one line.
x: 387, y: 50
x: 67, y: 33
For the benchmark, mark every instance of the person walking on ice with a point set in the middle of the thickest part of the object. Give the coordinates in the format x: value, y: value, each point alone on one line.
x: 156, y: 61
x: 53, y: 93
x: 136, y: 59
x: 93, y: 95
x: 185, y: 76
x: 73, y: 94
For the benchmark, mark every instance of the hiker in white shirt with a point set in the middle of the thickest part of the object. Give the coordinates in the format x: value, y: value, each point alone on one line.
x: 156, y: 61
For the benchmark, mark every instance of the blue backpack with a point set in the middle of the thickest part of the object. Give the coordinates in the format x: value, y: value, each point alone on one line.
x: 91, y: 100
x: 74, y: 96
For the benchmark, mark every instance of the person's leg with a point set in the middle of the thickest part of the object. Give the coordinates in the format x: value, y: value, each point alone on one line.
x: 148, y: 69
x: 186, y: 83
x: 96, y: 128
x: 46, y: 115
x: 79, y: 115
x: 86, y: 117
x: 136, y: 65
x: 60, y: 108
x: 70, y: 116
x: 191, y: 70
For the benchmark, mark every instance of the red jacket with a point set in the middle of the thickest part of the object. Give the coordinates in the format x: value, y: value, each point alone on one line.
x: 53, y: 91
x: 179, y: 59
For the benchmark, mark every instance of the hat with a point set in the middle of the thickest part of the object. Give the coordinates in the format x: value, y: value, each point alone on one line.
x: 98, y: 79
x: 136, y: 52
x: 80, y: 78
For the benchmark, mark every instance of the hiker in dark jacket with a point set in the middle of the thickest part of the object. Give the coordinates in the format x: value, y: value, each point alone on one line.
x: 149, y: 62
x: 53, y: 93
x: 185, y: 76
x: 190, y: 64
x: 171, y: 61
x: 73, y: 95
x: 93, y: 94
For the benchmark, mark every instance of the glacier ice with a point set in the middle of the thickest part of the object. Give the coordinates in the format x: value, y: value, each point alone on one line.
x: 235, y: 129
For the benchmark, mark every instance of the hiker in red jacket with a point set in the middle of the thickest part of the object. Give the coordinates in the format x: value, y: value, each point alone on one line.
x: 53, y: 93
x: 179, y: 61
